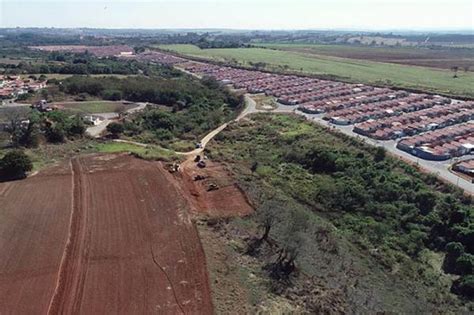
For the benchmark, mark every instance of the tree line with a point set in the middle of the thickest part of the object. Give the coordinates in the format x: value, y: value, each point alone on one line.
x: 85, y: 63
x: 52, y: 127
x: 195, y: 106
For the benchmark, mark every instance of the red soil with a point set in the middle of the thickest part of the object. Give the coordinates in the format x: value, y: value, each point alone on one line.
x: 34, y: 220
x: 131, y: 248
x: 227, y: 201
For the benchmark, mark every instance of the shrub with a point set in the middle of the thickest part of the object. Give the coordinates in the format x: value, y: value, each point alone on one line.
x: 453, y: 251
x: 112, y: 95
x: 115, y: 128
x: 15, y: 164
x: 464, y: 286
x: 76, y: 127
x: 379, y: 154
x: 464, y: 264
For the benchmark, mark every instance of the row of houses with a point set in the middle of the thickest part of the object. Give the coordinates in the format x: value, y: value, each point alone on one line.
x: 412, y: 123
x: 159, y: 57
x: 13, y: 86
x: 437, y: 125
x: 378, y: 110
x: 293, y: 90
x: 441, y: 144
x: 357, y: 99
x: 466, y: 167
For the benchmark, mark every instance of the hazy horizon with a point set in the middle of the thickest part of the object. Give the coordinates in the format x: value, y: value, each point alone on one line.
x: 337, y: 15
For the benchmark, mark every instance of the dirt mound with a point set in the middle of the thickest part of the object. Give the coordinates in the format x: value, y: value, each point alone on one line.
x: 225, y: 201
x: 127, y: 246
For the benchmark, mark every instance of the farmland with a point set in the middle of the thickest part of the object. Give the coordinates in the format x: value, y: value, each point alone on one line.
x: 135, y: 239
x: 357, y: 71
x: 34, y: 232
x: 443, y: 58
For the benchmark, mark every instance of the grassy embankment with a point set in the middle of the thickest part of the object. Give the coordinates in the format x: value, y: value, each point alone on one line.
x: 149, y: 152
x: 350, y: 70
x: 49, y: 154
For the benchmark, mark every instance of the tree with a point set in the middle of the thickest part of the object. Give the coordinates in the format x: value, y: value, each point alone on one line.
x: 292, y: 239
x: 464, y: 264
x: 115, y: 129
x: 76, y: 127
x: 379, y: 154
x: 28, y: 136
x: 44, y: 94
x: 425, y: 201
x: 112, y: 95
x: 55, y: 133
x: 321, y: 160
x: 455, y: 70
x: 157, y: 119
x: 138, y: 49
x: 15, y: 164
x: 14, y: 118
x: 453, y: 251
x: 464, y: 286
x: 267, y: 215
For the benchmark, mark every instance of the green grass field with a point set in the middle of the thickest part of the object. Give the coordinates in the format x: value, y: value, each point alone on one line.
x: 351, y: 70
x: 440, y: 58
x: 94, y: 107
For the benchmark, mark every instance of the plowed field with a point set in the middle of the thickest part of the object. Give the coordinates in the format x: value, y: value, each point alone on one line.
x: 110, y: 235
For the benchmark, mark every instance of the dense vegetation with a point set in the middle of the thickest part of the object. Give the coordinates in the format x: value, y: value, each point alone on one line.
x: 384, y: 206
x: 193, y: 106
x: 52, y: 127
x: 85, y: 63
x: 196, y: 109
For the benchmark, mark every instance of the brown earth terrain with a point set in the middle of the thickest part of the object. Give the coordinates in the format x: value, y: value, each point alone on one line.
x: 441, y: 58
x: 124, y: 244
x: 225, y: 202
x: 34, y: 221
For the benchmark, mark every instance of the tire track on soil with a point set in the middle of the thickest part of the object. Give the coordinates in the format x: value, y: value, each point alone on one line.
x: 68, y: 293
x: 155, y: 261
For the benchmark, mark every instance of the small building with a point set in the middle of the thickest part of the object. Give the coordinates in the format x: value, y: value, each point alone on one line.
x: 466, y: 167
x: 93, y: 119
x: 42, y: 106
x: 434, y: 154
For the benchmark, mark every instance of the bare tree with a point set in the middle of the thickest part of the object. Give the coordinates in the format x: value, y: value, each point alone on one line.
x: 14, y: 116
x: 267, y: 215
x: 455, y: 70
x: 293, y: 237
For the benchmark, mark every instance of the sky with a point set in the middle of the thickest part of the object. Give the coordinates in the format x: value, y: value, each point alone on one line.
x: 242, y: 14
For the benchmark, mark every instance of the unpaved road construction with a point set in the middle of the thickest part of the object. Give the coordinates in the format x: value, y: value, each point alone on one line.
x: 103, y: 234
